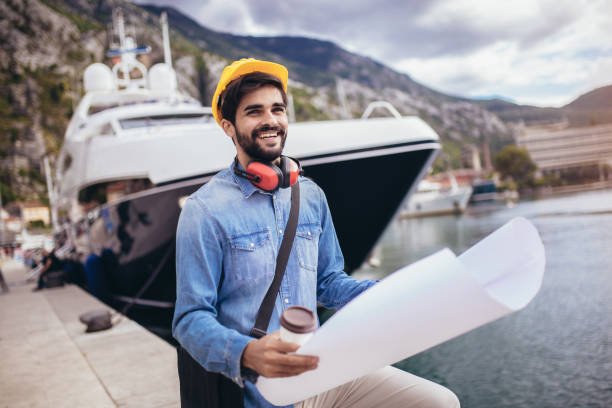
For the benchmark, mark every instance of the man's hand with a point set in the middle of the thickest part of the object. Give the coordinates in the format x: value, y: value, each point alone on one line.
x: 269, y: 356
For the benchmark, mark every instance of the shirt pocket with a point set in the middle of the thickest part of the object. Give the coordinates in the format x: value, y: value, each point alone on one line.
x: 307, y: 245
x: 252, y: 256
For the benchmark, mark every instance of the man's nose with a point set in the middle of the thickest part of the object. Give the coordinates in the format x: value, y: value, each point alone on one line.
x: 270, y: 118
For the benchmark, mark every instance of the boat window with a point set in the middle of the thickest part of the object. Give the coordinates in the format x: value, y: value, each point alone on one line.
x: 66, y: 162
x: 101, y: 193
x: 484, y: 187
x: 166, y: 120
x: 105, y: 129
x: 104, y: 106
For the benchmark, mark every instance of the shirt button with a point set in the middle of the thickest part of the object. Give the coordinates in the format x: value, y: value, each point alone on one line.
x: 286, y: 300
x: 308, y: 233
x: 280, y: 231
x: 252, y: 245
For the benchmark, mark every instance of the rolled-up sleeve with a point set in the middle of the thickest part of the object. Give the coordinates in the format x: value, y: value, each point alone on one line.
x: 334, y: 287
x: 199, y: 263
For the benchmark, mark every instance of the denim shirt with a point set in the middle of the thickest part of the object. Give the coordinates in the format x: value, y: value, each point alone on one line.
x: 228, y: 237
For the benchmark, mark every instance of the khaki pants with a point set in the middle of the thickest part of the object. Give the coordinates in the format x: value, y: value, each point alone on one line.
x: 388, y: 387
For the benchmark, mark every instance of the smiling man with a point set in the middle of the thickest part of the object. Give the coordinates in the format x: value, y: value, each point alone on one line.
x: 265, y: 142
x: 228, y: 237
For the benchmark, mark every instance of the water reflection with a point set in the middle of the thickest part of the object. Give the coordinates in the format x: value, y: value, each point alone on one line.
x: 558, y: 350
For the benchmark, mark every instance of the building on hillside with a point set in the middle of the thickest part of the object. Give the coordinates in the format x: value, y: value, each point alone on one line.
x: 476, y: 158
x: 29, y: 212
x: 470, y: 158
x: 560, y: 150
x: 13, y: 224
x: 32, y: 211
x: 9, y: 222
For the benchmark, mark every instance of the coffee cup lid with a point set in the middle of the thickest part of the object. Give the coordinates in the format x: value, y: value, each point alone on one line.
x: 298, y: 319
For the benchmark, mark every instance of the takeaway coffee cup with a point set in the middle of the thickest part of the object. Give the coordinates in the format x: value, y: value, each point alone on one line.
x: 298, y: 323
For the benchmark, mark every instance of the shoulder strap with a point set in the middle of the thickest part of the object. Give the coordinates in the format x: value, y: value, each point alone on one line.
x: 267, y: 305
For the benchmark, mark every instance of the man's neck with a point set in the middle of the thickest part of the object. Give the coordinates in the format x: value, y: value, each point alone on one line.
x: 245, y: 159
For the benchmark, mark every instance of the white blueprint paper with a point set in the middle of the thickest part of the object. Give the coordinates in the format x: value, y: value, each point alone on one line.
x: 419, y: 306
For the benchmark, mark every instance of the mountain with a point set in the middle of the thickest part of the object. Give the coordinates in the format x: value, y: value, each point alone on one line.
x: 511, y: 112
x: 492, y: 97
x: 597, y: 99
x: 45, y: 46
x: 594, y: 107
x: 313, y: 62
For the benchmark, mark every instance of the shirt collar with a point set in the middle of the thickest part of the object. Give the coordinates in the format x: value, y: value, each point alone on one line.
x: 245, y: 185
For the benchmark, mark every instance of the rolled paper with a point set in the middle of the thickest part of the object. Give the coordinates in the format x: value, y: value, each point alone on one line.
x: 418, y: 307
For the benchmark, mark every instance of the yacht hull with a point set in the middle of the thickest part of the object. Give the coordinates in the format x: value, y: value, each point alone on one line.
x: 130, y: 243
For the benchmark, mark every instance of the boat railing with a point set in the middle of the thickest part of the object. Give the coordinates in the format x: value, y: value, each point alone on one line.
x: 380, y: 104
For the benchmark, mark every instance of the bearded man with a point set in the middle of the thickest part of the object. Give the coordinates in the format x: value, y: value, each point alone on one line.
x: 228, y: 237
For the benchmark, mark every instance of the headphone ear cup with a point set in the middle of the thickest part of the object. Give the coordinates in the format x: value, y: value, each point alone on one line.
x: 270, y: 175
x: 294, y: 171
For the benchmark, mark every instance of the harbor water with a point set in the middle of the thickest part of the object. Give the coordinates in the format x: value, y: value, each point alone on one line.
x: 557, y: 352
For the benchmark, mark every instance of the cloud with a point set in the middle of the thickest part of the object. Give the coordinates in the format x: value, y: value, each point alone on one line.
x: 548, y: 65
x: 555, y: 48
x: 391, y: 30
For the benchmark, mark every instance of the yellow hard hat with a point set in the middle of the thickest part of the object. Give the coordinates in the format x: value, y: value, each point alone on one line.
x: 242, y: 67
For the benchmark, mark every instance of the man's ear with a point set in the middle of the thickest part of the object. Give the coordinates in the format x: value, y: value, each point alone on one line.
x: 228, y: 128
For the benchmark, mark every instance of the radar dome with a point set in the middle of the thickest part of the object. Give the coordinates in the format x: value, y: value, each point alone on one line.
x: 98, y: 77
x: 162, y: 78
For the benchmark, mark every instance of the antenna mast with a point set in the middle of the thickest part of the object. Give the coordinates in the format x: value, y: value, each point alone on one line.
x: 166, y: 38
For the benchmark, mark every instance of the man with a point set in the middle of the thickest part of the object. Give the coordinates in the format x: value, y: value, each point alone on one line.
x: 228, y: 237
x: 51, y: 263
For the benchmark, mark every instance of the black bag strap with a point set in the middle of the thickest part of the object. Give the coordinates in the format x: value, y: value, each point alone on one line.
x: 267, y: 305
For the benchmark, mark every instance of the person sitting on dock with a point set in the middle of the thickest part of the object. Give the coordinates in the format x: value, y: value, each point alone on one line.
x: 228, y: 236
x: 51, y: 263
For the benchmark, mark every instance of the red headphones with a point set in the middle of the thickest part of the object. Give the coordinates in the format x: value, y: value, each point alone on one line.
x: 269, y: 176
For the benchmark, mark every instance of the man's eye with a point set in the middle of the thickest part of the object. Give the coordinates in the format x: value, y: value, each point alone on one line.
x: 252, y: 112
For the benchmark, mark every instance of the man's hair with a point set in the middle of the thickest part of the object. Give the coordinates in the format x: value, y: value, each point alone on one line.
x: 239, y: 87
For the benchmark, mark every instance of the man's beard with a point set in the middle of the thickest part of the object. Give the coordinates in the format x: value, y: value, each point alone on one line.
x: 250, y: 145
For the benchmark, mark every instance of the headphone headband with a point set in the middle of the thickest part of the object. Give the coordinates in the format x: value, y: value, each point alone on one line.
x: 241, y: 173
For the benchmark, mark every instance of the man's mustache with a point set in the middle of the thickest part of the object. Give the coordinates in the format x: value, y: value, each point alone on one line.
x: 267, y: 128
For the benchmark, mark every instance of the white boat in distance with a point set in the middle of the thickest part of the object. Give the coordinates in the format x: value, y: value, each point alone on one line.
x: 431, y: 198
x: 136, y: 147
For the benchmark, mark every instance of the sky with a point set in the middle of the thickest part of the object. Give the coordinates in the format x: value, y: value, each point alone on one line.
x: 537, y: 52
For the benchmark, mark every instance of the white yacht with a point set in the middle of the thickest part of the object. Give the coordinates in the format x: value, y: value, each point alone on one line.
x: 137, y: 147
x: 431, y: 198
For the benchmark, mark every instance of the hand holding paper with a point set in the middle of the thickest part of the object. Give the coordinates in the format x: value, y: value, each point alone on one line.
x: 417, y: 307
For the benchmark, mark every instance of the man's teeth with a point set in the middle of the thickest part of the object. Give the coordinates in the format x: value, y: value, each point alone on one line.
x: 267, y: 134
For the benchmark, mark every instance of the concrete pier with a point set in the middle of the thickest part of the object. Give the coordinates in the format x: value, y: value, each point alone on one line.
x: 47, y: 359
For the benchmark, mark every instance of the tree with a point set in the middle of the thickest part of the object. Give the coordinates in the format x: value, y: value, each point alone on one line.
x: 515, y: 162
